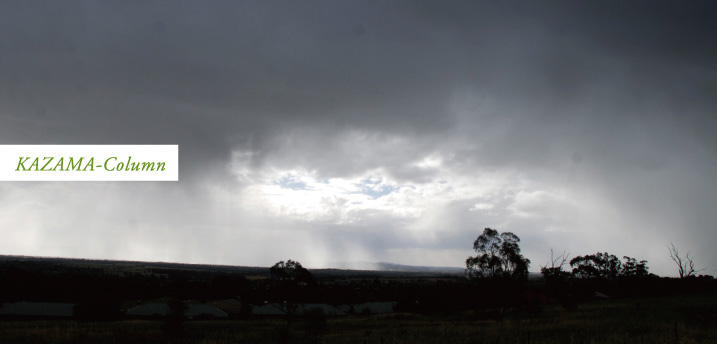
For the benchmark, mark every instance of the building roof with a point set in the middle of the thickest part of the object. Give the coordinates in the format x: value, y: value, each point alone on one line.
x: 46, y: 309
x: 162, y: 309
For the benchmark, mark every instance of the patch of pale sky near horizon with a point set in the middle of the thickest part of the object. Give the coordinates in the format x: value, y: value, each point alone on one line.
x: 586, y: 214
x: 243, y: 237
x: 416, y: 210
x: 230, y: 224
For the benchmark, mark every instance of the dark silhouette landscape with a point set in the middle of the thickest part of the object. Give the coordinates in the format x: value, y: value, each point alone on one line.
x: 493, y: 299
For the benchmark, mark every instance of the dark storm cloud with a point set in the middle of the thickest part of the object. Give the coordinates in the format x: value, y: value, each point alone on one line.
x: 242, y: 67
x: 209, y: 77
x: 616, y: 97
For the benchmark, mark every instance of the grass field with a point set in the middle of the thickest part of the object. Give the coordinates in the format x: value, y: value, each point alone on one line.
x: 678, y: 319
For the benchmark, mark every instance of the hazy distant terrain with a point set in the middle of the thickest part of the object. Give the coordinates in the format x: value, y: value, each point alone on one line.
x: 347, y: 269
x: 58, y: 300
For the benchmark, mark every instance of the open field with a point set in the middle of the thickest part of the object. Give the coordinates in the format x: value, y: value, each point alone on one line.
x: 677, y: 319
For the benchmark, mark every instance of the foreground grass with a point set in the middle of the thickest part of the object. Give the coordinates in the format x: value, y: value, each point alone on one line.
x: 679, y: 319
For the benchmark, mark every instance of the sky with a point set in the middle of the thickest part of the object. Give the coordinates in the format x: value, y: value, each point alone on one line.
x: 368, y: 131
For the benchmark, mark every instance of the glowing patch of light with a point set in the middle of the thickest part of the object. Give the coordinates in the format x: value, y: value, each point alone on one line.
x: 430, y: 161
x: 481, y: 206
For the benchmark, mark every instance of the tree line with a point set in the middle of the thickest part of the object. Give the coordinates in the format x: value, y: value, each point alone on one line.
x: 499, y: 256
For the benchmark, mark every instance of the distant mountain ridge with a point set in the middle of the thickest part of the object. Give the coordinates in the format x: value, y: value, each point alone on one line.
x: 391, y: 267
x: 359, y: 267
x: 385, y: 266
x: 364, y: 266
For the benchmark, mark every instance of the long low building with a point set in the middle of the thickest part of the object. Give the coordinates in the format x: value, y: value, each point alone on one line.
x: 370, y: 308
x: 37, y: 309
x: 158, y: 309
x: 162, y: 309
x: 306, y: 308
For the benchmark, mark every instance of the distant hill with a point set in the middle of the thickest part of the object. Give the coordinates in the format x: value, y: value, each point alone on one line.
x: 384, y: 266
x: 358, y: 269
x: 414, y: 269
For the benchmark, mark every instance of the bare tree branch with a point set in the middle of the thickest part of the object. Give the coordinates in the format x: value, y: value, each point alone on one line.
x: 675, y: 255
x: 563, y: 258
x: 686, y: 265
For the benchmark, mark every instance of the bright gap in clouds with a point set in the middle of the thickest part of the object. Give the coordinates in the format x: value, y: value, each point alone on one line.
x: 304, y: 195
x: 435, y: 201
x: 301, y: 195
x: 377, y: 217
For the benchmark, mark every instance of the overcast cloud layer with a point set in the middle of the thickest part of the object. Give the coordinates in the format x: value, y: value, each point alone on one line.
x: 337, y: 131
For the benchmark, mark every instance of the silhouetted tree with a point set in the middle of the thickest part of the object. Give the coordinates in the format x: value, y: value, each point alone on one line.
x: 291, y: 271
x: 290, y: 280
x: 498, y: 256
x: 557, y: 280
x: 634, y: 269
x: 685, y: 265
x: 554, y: 271
x: 174, y: 322
x: 599, y: 265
